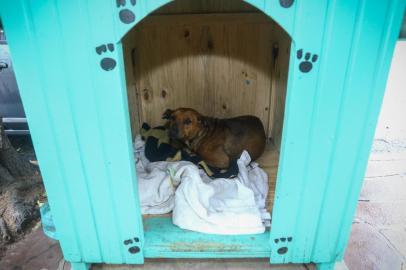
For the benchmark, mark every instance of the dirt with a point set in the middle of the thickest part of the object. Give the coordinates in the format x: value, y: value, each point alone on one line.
x: 24, y: 146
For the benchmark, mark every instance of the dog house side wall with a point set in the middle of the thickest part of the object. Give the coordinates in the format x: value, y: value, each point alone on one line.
x: 335, y: 111
x: 79, y: 121
x: 337, y: 122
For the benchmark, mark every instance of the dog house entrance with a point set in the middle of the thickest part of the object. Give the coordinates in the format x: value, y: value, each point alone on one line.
x: 224, y: 60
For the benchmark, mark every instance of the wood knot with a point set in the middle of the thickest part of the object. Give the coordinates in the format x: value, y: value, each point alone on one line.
x: 145, y: 94
x: 163, y: 93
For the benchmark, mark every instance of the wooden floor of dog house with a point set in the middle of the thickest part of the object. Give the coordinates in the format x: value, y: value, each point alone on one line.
x: 163, y: 239
x: 269, y: 162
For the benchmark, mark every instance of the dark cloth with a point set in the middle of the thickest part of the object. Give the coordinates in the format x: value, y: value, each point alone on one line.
x: 159, y: 147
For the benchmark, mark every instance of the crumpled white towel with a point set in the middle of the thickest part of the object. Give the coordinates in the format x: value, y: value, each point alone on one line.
x: 255, y: 178
x: 156, y: 192
x: 221, y: 206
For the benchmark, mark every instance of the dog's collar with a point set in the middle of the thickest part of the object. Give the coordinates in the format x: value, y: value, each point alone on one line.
x: 194, y: 143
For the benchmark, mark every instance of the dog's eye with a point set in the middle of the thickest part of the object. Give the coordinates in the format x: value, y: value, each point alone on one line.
x: 187, y: 121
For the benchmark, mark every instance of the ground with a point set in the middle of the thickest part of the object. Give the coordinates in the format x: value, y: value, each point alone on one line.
x: 378, y: 237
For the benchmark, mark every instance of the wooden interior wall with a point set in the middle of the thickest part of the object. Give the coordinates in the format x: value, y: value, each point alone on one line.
x: 221, y: 64
x: 280, y: 74
x: 206, y: 6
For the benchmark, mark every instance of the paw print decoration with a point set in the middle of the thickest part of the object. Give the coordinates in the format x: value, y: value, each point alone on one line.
x: 306, y: 63
x: 106, y: 63
x: 283, y: 244
x: 131, y: 244
x: 126, y: 15
x: 286, y: 3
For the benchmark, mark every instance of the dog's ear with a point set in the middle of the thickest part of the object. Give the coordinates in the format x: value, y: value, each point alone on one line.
x: 203, y: 121
x: 167, y: 114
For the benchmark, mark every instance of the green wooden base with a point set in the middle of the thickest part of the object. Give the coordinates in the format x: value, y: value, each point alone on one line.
x: 325, y: 266
x: 80, y: 266
x: 165, y: 240
x: 332, y: 266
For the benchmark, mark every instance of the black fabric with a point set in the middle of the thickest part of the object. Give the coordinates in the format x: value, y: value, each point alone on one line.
x: 158, y: 147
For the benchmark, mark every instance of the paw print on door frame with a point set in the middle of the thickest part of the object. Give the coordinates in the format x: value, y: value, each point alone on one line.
x: 306, y: 64
x: 126, y: 16
x: 286, y: 3
x: 107, y: 63
x: 283, y: 244
x: 133, y: 249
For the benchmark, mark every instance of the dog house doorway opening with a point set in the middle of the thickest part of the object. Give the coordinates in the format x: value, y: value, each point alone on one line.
x: 223, y: 59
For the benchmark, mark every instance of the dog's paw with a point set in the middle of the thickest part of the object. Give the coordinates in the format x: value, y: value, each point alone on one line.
x: 132, y: 245
x: 126, y: 16
x: 306, y: 64
x: 286, y: 3
x: 283, y: 244
x: 106, y: 63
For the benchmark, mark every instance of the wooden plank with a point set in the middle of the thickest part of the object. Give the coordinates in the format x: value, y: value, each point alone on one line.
x: 165, y: 240
x: 199, y: 61
x: 280, y: 72
x: 114, y: 131
x: 244, y: 85
x: 269, y: 163
x: 325, y: 115
x: 301, y: 100
x: 205, y: 18
x: 130, y: 55
x: 205, y: 6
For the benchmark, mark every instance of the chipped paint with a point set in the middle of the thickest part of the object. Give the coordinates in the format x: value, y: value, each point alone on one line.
x: 201, y: 246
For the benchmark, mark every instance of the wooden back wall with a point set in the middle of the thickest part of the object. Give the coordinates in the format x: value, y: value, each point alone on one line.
x: 221, y: 64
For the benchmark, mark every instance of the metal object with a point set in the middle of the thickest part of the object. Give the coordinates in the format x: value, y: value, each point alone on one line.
x: 11, y: 107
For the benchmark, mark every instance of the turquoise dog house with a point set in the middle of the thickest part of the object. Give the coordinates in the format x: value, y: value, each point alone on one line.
x: 68, y: 58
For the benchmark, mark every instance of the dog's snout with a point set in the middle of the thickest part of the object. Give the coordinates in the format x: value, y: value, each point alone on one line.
x: 173, y: 131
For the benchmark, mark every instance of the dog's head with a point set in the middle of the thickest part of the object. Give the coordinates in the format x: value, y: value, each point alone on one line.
x: 184, y: 123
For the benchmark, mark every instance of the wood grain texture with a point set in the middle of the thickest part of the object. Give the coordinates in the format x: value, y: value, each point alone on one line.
x: 269, y: 162
x: 163, y: 239
x: 279, y: 86
x: 205, y: 6
x: 219, y: 64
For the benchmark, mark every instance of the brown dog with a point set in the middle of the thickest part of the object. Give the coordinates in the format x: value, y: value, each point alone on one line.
x: 217, y: 141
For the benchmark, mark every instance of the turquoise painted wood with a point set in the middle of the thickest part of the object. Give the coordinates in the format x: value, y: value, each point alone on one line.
x: 69, y: 66
x: 80, y: 266
x: 164, y: 240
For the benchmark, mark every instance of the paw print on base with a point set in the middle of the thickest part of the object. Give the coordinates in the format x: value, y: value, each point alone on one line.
x: 306, y: 64
x: 286, y: 3
x: 283, y: 242
x: 131, y: 243
x: 126, y: 15
x: 106, y: 63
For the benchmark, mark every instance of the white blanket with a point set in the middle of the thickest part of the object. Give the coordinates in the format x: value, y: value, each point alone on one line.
x: 155, y: 188
x: 220, y: 206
